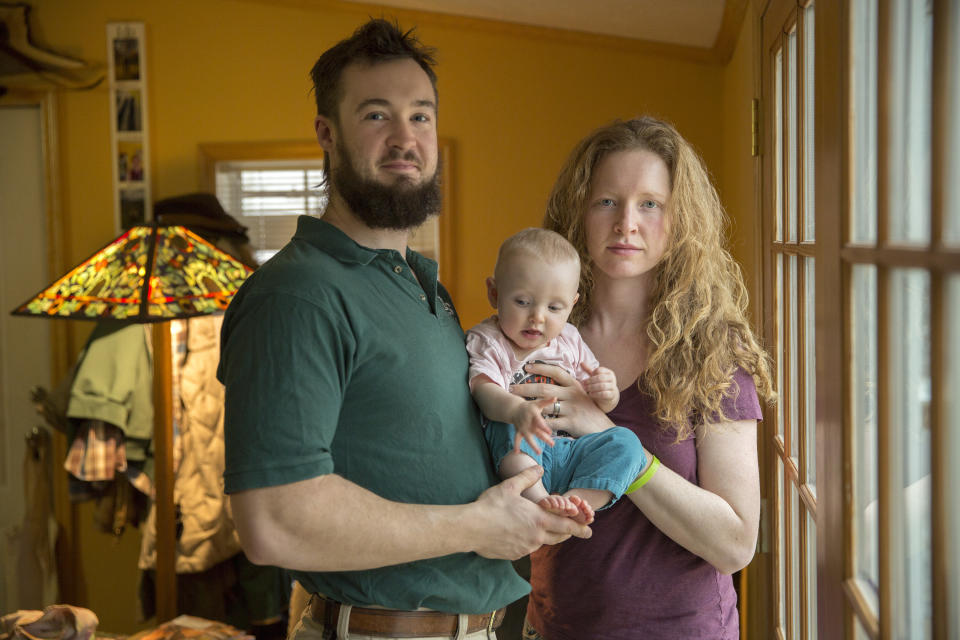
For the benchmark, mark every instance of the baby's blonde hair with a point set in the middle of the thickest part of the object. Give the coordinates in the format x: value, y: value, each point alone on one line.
x: 549, y: 246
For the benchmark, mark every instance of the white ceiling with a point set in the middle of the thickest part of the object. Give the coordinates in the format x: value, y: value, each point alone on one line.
x: 693, y: 23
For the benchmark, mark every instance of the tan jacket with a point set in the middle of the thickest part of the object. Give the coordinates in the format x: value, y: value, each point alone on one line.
x: 209, y: 534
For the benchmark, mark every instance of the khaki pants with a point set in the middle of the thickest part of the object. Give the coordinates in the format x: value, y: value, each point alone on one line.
x: 309, y: 629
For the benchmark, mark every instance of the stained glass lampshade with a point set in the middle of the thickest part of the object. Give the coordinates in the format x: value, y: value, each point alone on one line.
x: 150, y: 273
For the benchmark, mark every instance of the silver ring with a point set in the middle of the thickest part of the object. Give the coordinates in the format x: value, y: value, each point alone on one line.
x: 556, y: 409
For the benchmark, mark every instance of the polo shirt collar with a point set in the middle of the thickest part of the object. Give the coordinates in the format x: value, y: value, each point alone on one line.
x: 333, y: 241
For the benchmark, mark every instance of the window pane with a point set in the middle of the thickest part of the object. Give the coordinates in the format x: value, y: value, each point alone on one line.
x: 811, y: 576
x: 951, y: 226
x: 951, y: 407
x: 782, y: 537
x: 909, y: 124
x: 859, y: 633
x: 910, y: 411
x: 864, y: 379
x: 795, y: 511
x: 810, y: 377
x: 793, y: 321
x: 808, y: 109
x: 791, y: 140
x: 778, y: 303
x: 863, y: 74
x: 778, y: 146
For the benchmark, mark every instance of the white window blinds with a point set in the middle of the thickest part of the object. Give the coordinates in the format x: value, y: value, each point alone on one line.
x: 267, y: 196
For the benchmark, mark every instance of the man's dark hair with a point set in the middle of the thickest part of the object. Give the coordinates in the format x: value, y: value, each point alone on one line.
x: 374, y: 42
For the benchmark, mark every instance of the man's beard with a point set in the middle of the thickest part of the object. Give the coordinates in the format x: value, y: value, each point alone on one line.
x: 399, y: 206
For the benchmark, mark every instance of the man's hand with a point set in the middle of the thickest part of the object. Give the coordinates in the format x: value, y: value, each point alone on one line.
x: 512, y: 527
x: 528, y: 420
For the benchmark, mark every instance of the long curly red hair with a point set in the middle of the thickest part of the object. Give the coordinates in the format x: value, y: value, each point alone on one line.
x: 698, y: 324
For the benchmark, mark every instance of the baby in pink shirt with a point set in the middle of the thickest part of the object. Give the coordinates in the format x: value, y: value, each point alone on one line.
x: 534, y: 289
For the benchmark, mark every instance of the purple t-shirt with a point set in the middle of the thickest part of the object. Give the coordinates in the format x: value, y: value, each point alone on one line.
x: 630, y: 581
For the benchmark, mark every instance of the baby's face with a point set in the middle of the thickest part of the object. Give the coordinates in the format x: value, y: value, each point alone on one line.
x: 534, y: 298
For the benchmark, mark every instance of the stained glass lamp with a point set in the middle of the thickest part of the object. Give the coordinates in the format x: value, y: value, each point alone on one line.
x: 149, y: 274
x: 188, y: 277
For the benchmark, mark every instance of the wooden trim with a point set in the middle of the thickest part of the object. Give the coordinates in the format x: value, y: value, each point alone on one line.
x: 941, y: 121
x: 408, y: 17
x: 449, y: 220
x: 805, y: 250
x: 768, y: 42
x: 726, y: 40
x: 809, y: 499
x: 861, y: 609
x: 887, y: 461
x: 790, y: 470
x: 790, y: 295
x: 61, y: 344
x: 792, y: 524
x: 939, y: 461
x: 754, y: 587
x: 942, y: 260
x: 802, y: 597
x: 833, y: 435
x: 213, y: 152
x: 846, y: 418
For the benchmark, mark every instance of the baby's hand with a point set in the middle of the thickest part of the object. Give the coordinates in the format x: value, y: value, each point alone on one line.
x: 530, y: 424
x: 602, y: 387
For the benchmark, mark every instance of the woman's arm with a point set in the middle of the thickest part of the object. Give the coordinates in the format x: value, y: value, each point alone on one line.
x: 718, y: 520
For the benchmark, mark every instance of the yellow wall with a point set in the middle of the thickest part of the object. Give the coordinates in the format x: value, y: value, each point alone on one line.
x: 735, y: 174
x: 513, y: 103
x: 230, y: 70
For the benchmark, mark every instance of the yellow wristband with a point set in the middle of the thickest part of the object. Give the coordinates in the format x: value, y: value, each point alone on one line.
x: 644, y: 477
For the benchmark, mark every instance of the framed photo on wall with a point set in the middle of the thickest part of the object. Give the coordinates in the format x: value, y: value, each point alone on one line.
x: 129, y: 139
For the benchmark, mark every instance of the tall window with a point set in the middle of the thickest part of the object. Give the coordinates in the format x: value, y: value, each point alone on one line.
x: 862, y: 213
x: 790, y: 240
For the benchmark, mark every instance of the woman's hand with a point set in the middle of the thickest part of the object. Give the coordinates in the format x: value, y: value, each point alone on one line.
x: 578, y: 414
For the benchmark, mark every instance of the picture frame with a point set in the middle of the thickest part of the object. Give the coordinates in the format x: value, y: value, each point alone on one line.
x: 129, y: 130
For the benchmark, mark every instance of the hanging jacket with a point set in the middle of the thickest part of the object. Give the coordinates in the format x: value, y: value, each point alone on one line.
x: 208, y: 534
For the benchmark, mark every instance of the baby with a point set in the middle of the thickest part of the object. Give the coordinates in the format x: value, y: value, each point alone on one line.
x: 533, y: 289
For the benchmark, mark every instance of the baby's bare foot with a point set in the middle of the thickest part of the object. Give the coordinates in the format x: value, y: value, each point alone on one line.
x: 584, y: 513
x: 560, y: 505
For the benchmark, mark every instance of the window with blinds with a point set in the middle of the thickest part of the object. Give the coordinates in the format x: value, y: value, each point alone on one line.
x: 267, y: 196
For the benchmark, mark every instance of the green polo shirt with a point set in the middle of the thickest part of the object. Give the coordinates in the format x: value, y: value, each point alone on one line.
x: 337, y: 360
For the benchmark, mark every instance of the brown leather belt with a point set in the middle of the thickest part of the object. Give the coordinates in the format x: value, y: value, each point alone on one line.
x: 393, y: 623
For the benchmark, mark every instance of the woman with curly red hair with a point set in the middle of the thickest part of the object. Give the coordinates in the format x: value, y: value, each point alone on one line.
x: 663, y: 304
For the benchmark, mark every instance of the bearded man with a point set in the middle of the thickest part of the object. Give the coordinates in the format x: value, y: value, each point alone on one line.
x: 354, y: 453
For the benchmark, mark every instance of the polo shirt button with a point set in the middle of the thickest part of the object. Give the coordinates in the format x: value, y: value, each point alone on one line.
x: 398, y: 269
x: 423, y: 298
